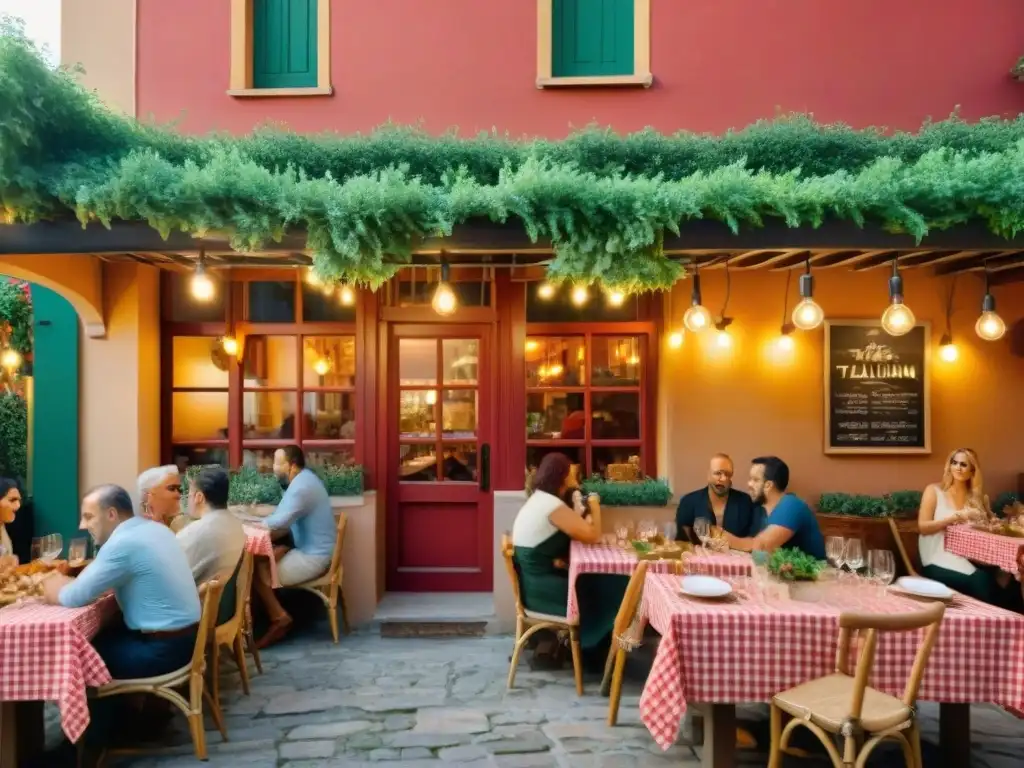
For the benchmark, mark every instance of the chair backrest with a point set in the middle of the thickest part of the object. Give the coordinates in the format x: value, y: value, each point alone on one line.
x: 210, y: 592
x: 241, y: 580
x: 508, y: 553
x: 627, y: 614
x: 904, y: 555
x: 873, y: 623
x: 339, y: 544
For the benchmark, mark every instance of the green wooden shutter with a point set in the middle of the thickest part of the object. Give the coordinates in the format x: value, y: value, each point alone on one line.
x: 592, y: 38
x: 284, y: 43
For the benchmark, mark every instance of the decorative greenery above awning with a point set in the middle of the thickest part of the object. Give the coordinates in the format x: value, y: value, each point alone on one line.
x: 604, y: 201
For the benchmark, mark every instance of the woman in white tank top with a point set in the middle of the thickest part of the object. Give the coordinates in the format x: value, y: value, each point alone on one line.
x: 954, y: 501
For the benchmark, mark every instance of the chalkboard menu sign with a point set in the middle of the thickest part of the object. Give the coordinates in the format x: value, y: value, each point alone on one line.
x: 876, y: 389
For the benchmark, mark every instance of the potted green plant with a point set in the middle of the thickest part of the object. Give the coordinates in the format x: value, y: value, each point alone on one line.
x: 865, y: 517
x: 341, y: 480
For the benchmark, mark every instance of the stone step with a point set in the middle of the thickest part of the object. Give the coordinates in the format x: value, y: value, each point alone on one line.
x: 433, y: 628
x: 435, y: 614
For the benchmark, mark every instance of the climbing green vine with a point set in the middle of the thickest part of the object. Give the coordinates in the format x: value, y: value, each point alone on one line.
x: 604, y: 201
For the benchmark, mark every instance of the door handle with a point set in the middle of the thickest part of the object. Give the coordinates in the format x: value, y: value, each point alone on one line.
x: 485, y: 467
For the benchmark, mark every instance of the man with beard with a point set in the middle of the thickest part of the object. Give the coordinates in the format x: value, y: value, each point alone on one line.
x: 305, y: 510
x: 789, y: 523
x: 717, y: 502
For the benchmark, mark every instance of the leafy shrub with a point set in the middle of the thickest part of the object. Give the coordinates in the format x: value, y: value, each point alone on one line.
x: 13, y: 436
x: 250, y: 486
x: 896, y: 504
x: 642, y: 493
x: 341, y: 480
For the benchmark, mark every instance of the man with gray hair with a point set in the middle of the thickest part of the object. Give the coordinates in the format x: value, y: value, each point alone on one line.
x: 160, y: 496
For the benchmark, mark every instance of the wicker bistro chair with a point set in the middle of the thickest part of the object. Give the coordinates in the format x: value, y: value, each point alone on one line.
x: 904, y: 555
x: 328, y: 587
x: 191, y: 675
x: 231, y: 634
x: 529, y: 622
x: 845, y: 706
x: 627, y: 636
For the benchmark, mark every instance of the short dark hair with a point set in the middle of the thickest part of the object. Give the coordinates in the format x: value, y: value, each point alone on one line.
x: 6, y: 484
x: 552, y: 473
x: 294, y: 456
x: 775, y: 469
x: 110, y: 496
x: 214, y: 483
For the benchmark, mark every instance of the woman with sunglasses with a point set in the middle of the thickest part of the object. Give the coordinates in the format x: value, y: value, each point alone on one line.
x: 959, y: 498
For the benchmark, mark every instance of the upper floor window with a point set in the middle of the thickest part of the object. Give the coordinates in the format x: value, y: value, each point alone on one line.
x: 280, y: 48
x: 593, y: 42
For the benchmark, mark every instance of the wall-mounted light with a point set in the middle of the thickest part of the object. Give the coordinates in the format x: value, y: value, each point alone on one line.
x: 947, y: 349
x: 807, y: 314
x: 346, y: 295
x: 696, y: 318
x: 990, y: 325
x: 201, y: 285
x: 580, y: 295
x: 897, y: 318
x: 444, y: 301
x: 230, y: 345
x: 546, y: 291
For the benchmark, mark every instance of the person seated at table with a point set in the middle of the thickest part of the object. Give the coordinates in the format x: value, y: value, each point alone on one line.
x: 959, y: 498
x: 10, y: 503
x: 305, y: 509
x: 789, y: 522
x: 213, y: 543
x: 160, y: 496
x: 718, y: 503
x: 541, y: 534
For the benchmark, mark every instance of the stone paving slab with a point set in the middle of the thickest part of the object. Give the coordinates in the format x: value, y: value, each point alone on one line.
x: 373, y: 701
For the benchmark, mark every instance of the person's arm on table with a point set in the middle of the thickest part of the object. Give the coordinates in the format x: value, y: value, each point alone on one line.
x: 571, y: 524
x: 287, y: 511
x: 106, y: 572
x: 926, y: 522
x: 770, y: 539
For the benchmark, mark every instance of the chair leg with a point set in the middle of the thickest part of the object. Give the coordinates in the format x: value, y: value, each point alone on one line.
x: 514, y: 660
x: 214, y: 687
x: 577, y: 662
x: 215, y: 714
x: 914, y: 737
x: 243, y: 668
x: 346, y: 628
x: 332, y: 615
x: 775, y: 753
x: 616, y: 693
x: 195, y: 727
x: 250, y: 642
x: 606, y: 679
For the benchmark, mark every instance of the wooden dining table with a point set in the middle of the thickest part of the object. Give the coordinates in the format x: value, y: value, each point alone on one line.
x: 716, y: 654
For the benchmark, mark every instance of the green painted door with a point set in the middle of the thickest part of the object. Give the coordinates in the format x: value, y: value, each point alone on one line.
x: 53, y: 463
x: 591, y: 38
x: 284, y: 41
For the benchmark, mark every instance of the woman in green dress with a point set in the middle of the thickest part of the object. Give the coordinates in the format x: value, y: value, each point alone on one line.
x: 541, y: 534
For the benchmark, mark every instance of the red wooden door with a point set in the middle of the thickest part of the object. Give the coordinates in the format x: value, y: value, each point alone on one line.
x: 440, y: 427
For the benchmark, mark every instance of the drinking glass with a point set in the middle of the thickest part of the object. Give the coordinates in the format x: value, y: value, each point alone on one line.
x: 669, y: 530
x: 622, y: 534
x: 78, y: 550
x: 702, y: 528
x: 834, y: 546
x: 55, y: 546
x: 882, y: 566
x: 854, y: 555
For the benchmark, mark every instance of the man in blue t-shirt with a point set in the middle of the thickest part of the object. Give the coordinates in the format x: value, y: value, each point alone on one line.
x: 789, y: 523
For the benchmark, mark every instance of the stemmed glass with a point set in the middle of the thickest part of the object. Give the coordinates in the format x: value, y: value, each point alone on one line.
x: 702, y: 528
x: 669, y: 531
x: 53, y: 545
x: 854, y: 555
x: 882, y: 567
x: 834, y: 549
x: 78, y: 551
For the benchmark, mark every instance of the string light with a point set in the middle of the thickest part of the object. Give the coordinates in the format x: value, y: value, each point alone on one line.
x: 616, y: 298
x: 947, y: 349
x: 444, y: 302
x: 723, y: 339
x: 897, y: 319
x: 10, y: 359
x: 311, y: 277
x: 201, y: 285
x: 346, y: 295
x: 580, y: 295
x: 807, y: 314
x: 546, y: 291
x: 696, y: 318
x: 990, y: 325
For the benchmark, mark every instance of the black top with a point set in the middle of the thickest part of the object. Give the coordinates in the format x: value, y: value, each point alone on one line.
x: 740, y: 519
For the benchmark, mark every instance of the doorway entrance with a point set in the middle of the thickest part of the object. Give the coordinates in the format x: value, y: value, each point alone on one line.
x: 440, y: 427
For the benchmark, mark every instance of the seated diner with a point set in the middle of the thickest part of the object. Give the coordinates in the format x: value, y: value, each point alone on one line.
x: 160, y: 496
x: 10, y: 503
x: 214, y: 542
x: 789, y: 521
x: 718, y: 503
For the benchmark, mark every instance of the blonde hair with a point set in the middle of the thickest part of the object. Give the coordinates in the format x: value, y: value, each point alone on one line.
x: 975, y: 485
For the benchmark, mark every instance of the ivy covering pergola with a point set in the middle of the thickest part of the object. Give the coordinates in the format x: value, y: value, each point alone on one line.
x: 604, y: 202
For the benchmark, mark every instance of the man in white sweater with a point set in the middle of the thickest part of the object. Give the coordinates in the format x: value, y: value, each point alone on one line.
x: 213, y: 543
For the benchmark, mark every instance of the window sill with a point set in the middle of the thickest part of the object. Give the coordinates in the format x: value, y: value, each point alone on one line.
x: 257, y: 93
x: 601, y: 80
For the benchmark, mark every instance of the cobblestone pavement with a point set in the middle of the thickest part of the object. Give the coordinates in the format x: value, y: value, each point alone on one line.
x: 423, y: 702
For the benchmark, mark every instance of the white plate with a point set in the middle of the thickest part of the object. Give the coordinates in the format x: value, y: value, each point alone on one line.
x: 924, y: 587
x: 705, y: 586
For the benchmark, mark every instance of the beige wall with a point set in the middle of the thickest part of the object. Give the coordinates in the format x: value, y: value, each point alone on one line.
x: 100, y: 36
x: 750, y: 400
x: 76, y: 277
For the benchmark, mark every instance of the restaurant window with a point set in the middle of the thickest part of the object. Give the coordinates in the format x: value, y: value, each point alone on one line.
x: 199, y: 401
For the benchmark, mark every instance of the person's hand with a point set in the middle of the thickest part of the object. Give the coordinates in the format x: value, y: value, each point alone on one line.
x: 593, y: 500
x: 52, y: 585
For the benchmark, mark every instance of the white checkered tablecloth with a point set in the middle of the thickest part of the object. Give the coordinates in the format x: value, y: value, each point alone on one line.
x: 614, y: 559
x: 45, y: 655
x: 747, y: 651
x: 259, y: 542
x: 1004, y: 552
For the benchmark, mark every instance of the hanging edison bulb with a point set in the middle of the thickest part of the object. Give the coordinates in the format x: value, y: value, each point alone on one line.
x: 807, y: 314
x: 947, y: 349
x: 201, y: 285
x: 346, y: 295
x: 990, y: 325
x: 444, y: 301
x: 696, y: 318
x: 897, y: 319
x: 546, y: 291
x: 580, y: 295
x: 616, y: 298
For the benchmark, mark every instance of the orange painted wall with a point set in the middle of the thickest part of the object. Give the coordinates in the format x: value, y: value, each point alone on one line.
x: 750, y: 400
x: 717, y: 64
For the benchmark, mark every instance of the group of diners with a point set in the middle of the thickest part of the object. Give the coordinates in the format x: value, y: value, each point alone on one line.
x: 154, y: 572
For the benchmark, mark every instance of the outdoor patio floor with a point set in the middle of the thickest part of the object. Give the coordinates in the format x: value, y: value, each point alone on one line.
x: 426, y: 702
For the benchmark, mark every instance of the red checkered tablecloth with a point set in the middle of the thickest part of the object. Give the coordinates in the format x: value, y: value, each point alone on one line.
x: 613, y: 559
x: 45, y: 655
x: 259, y: 542
x: 747, y: 651
x: 1004, y: 552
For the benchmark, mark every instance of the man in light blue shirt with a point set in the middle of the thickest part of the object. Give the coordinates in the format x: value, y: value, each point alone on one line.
x: 139, y: 560
x: 305, y: 510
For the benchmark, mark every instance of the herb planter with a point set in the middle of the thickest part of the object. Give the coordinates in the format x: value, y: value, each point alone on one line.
x: 875, y: 533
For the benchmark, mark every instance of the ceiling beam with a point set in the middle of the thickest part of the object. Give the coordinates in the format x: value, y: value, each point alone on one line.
x: 1007, y: 276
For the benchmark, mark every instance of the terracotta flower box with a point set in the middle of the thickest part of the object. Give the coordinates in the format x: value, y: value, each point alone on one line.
x: 875, y: 533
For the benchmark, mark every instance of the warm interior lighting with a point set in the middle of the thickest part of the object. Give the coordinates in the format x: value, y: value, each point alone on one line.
x: 785, y: 343
x: 346, y: 296
x: 555, y: 370
x: 990, y: 325
x: 201, y: 285
x: 723, y: 340
x: 696, y: 318
x: 897, y: 318
x: 322, y: 366
x: 431, y: 397
x: 807, y: 314
x: 675, y: 339
x: 444, y: 302
x: 580, y: 295
x: 947, y: 349
x: 230, y: 345
x: 10, y: 359
x: 311, y: 277
x: 546, y: 291
x: 616, y: 298
x: 532, y: 345
x: 634, y: 360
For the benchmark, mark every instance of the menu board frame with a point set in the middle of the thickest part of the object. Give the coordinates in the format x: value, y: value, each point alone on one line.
x: 828, y: 369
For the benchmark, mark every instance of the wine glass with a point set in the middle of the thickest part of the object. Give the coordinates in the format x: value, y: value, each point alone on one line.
x: 702, y: 528
x: 834, y: 546
x: 854, y: 555
x: 56, y: 547
x: 883, y: 567
x: 622, y: 534
x: 669, y: 530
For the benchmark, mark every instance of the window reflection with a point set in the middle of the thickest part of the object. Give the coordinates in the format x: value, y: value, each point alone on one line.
x: 458, y: 413
x: 417, y: 362
x: 417, y: 463
x: 329, y: 361
x: 269, y: 416
x: 331, y: 415
x: 460, y: 360
x: 199, y: 362
x: 555, y: 416
x: 417, y: 413
x: 615, y: 415
x: 460, y: 463
x: 269, y: 361
x: 616, y: 361
x: 553, y: 361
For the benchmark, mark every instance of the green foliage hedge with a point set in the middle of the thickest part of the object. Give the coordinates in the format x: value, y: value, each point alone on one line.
x: 13, y: 436
x: 250, y: 486
x: 896, y: 504
x: 605, y: 201
x: 648, y: 492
